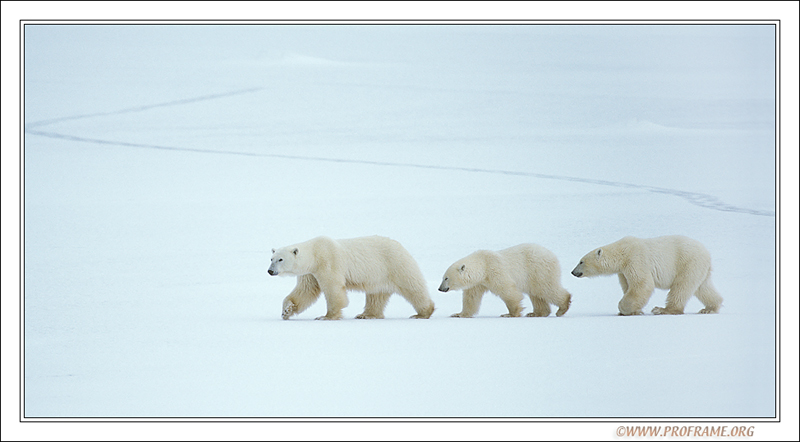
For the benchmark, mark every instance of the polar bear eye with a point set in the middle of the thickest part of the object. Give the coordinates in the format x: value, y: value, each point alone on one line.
x: 280, y: 260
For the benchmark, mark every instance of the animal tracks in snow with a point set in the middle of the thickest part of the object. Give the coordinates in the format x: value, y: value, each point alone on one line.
x: 698, y: 199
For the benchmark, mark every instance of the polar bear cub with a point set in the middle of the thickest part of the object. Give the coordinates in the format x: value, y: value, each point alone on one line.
x: 375, y: 265
x: 677, y: 263
x: 508, y: 273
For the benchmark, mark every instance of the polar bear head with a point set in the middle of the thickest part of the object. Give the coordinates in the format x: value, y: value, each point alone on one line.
x: 289, y: 261
x: 463, y: 274
x: 593, y: 263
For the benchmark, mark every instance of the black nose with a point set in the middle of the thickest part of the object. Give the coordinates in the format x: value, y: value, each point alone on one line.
x: 443, y: 290
x: 577, y: 274
x: 271, y: 272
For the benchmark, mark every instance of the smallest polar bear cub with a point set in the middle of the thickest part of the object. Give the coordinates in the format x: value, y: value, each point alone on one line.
x: 375, y: 265
x: 677, y: 263
x: 508, y: 273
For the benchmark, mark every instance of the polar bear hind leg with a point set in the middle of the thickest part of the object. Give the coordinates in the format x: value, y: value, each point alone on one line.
x: 541, y: 308
x: 420, y: 300
x: 679, y: 293
x: 564, y: 305
x: 375, y: 305
x: 709, y: 297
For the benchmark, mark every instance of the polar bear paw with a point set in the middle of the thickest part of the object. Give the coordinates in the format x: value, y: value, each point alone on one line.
x: 288, y: 310
x: 329, y: 317
x: 369, y: 316
x: 537, y: 314
x: 708, y: 310
x: 460, y: 315
x: 665, y: 311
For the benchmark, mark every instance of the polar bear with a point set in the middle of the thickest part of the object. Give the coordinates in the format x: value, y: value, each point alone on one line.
x: 677, y: 263
x: 508, y: 273
x: 376, y: 265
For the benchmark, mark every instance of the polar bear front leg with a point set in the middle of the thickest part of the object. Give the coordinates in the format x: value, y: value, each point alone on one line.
x: 305, y: 293
x: 289, y: 308
x: 513, y: 301
x: 637, y: 295
x: 336, y: 297
x: 630, y: 305
x: 470, y: 302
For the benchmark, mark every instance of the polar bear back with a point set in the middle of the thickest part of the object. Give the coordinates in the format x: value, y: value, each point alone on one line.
x: 531, y: 266
x: 665, y: 256
x: 370, y: 263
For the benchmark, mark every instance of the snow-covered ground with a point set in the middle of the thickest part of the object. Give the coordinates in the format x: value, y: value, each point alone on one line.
x: 162, y: 163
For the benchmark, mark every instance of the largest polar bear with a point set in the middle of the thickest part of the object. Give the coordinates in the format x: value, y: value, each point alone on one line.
x: 677, y: 263
x: 376, y: 265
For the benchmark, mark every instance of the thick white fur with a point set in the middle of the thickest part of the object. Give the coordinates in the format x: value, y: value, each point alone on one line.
x: 677, y: 263
x: 508, y: 273
x: 375, y: 265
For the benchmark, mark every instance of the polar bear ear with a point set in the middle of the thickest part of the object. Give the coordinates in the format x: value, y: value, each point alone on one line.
x: 295, y: 251
x: 273, y: 250
x: 599, y: 252
x: 463, y: 266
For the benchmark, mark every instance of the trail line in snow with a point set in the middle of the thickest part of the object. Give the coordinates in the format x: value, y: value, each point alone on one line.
x: 144, y: 108
x: 698, y: 199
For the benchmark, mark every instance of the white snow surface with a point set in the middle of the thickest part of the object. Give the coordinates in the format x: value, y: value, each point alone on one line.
x: 162, y: 163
